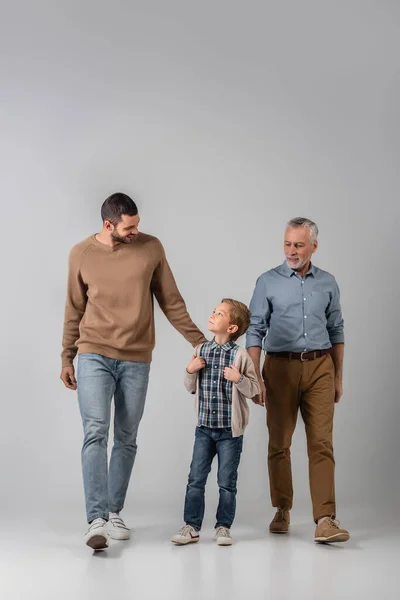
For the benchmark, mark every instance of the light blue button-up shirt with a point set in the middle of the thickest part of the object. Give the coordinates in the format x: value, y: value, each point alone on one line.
x: 290, y: 313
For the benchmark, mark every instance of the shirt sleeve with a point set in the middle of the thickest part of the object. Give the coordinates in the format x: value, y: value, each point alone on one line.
x: 335, y: 323
x: 260, y: 313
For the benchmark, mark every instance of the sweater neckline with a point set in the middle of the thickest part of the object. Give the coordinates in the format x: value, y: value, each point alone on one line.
x: 110, y: 249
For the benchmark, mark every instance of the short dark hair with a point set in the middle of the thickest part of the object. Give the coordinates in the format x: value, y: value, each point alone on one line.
x: 115, y: 206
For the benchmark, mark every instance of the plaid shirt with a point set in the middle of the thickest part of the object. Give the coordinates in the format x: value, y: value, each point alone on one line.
x: 215, y: 392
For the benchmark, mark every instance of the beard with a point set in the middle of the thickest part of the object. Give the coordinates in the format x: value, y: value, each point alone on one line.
x: 127, y: 239
x: 299, y: 265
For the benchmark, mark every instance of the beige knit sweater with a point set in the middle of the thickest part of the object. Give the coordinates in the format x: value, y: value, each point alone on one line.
x: 248, y: 388
x: 109, y: 307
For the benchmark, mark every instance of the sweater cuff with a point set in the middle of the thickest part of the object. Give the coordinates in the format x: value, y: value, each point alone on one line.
x: 241, y: 384
x: 190, y: 377
x: 190, y: 374
x: 67, y: 362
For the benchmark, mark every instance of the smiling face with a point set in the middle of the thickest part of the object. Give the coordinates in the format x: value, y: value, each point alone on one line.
x: 219, y: 322
x: 299, y: 247
x: 125, y: 231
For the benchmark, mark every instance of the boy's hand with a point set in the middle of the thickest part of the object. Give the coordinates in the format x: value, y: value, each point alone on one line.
x: 232, y: 374
x: 196, y: 364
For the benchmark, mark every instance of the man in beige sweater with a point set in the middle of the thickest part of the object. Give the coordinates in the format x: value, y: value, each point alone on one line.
x: 109, y: 321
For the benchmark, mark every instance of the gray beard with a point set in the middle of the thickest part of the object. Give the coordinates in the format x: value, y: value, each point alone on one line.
x: 298, y: 267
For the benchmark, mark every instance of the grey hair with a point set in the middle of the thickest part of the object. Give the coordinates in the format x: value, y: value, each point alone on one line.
x: 302, y: 222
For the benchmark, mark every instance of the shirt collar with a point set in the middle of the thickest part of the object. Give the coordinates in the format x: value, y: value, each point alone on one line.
x: 227, y: 346
x: 311, y: 270
x: 286, y: 270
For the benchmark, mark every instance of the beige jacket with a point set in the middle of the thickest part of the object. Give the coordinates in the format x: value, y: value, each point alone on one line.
x: 248, y: 388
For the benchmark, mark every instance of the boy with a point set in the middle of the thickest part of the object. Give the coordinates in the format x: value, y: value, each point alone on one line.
x: 222, y: 377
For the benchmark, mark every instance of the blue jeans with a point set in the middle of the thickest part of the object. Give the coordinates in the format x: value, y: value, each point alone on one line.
x: 209, y: 442
x: 99, y: 380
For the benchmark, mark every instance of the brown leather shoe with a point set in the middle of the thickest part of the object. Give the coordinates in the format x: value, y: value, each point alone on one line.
x: 281, y: 521
x: 329, y: 531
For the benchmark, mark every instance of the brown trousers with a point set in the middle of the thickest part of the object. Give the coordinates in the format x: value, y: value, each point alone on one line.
x: 310, y: 386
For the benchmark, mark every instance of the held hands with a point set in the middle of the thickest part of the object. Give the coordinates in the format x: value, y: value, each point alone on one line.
x: 232, y: 374
x: 196, y: 364
x: 261, y: 397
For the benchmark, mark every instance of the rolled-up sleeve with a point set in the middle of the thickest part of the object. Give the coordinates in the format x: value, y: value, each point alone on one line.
x: 260, y: 314
x: 335, y: 323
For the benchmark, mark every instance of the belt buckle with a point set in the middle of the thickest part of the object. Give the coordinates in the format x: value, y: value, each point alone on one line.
x: 301, y: 357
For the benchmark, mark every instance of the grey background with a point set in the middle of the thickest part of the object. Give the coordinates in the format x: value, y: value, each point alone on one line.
x: 223, y: 120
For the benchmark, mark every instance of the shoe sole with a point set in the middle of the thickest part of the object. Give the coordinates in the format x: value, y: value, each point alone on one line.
x: 184, y: 542
x: 279, y: 532
x: 120, y: 537
x: 224, y: 543
x: 97, y: 542
x: 339, y: 537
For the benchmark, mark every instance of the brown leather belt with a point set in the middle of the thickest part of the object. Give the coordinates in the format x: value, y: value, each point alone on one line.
x: 303, y: 356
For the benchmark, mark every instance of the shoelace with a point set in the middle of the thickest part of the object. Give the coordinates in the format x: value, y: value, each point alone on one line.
x: 186, y: 530
x: 333, y: 523
x: 222, y: 532
x: 118, y: 522
x: 280, y: 515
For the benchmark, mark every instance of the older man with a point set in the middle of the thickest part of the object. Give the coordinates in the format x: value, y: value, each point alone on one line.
x: 298, y: 306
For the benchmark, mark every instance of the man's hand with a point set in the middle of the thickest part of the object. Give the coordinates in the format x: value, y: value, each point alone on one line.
x: 68, y: 377
x: 338, y: 389
x: 196, y: 364
x: 232, y: 374
x: 255, y: 354
x: 262, y: 396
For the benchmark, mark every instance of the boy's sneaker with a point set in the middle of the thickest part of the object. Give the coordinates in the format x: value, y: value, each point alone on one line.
x: 186, y: 535
x: 97, y: 536
x: 223, y: 536
x: 329, y: 531
x: 117, y: 530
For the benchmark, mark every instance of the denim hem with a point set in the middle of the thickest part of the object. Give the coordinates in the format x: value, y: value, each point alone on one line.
x: 195, y: 527
x: 98, y: 516
x: 222, y: 525
x: 114, y: 510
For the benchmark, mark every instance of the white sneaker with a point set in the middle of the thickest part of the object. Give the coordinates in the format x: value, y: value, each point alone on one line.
x: 223, y: 536
x: 117, y: 530
x: 186, y: 535
x: 97, y: 536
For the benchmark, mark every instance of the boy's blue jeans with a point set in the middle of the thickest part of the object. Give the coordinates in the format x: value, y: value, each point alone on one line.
x: 208, y: 443
x: 99, y: 380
